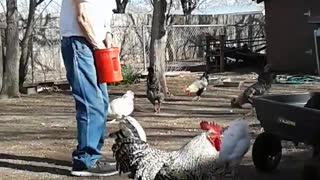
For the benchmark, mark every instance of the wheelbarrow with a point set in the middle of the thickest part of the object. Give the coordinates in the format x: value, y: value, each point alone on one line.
x: 284, y: 117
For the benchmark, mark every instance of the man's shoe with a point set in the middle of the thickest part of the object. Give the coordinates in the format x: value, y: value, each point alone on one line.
x: 109, y: 160
x: 100, y: 168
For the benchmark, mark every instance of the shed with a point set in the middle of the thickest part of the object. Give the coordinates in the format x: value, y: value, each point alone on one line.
x: 290, y: 40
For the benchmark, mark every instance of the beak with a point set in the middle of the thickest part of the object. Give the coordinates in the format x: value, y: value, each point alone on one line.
x: 211, y: 131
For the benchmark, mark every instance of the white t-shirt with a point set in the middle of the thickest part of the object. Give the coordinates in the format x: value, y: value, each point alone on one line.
x: 99, y: 13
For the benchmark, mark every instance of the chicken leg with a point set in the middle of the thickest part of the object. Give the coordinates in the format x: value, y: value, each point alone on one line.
x: 197, y: 98
x: 235, y: 173
x: 157, y: 107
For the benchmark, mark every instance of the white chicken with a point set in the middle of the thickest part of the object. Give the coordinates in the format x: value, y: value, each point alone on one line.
x: 203, y: 157
x: 122, y: 106
x: 235, y: 144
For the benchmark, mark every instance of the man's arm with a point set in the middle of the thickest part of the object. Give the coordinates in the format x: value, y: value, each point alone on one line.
x: 108, y: 41
x: 85, y: 25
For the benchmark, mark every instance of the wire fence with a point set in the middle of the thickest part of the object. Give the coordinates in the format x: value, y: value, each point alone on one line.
x: 185, y: 43
x: 185, y: 46
x: 45, y: 60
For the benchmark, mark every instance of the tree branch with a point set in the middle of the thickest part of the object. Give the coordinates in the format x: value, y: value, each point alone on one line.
x: 38, y: 3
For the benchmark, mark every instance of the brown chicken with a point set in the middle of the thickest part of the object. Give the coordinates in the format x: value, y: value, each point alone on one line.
x: 154, y: 94
x: 257, y: 89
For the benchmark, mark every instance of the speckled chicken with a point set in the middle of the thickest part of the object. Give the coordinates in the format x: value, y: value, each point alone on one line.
x: 195, y: 160
x: 198, y: 86
x: 204, y: 157
x: 262, y: 86
x: 154, y: 94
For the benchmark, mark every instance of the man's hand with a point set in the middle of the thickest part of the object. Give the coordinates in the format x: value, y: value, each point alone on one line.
x: 99, y: 46
x: 108, y: 41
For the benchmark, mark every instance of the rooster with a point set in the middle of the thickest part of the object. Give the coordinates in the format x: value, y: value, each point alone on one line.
x: 257, y: 89
x: 122, y: 106
x: 198, y: 159
x: 198, y: 86
x: 154, y: 94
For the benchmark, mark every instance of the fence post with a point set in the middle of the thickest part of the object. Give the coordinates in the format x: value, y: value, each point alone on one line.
x: 32, y: 59
x: 59, y: 65
x: 144, y: 49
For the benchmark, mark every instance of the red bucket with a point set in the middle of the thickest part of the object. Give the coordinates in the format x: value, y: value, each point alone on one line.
x: 108, y: 65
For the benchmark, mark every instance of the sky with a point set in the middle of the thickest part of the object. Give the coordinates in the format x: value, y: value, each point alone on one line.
x: 139, y: 6
x: 206, y: 6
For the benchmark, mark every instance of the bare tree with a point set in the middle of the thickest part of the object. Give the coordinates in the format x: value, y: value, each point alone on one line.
x: 1, y: 60
x: 158, y: 43
x: 188, y: 6
x: 27, y: 40
x: 121, y: 6
x: 10, y: 86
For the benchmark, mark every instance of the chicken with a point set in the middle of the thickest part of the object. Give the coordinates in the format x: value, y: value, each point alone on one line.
x: 235, y: 144
x: 154, y: 94
x: 194, y: 160
x: 257, y: 89
x: 122, y: 106
x: 198, y: 86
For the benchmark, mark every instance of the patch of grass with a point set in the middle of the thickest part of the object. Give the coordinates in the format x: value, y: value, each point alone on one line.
x: 129, y: 75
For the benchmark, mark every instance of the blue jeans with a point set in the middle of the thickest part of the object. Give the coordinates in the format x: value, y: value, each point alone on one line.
x: 91, y: 100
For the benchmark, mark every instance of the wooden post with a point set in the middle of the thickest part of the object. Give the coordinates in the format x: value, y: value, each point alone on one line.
x: 144, y: 50
x: 222, y: 42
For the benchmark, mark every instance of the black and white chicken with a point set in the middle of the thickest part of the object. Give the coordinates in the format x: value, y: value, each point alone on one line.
x: 203, y: 157
x: 262, y: 86
x: 198, y: 86
x: 154, y: 94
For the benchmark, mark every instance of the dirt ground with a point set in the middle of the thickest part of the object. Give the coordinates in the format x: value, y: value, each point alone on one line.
x: 37, y: 132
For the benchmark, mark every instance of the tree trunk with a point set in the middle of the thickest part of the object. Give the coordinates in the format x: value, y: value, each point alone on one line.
x: 121, y: 6
x: 1, y: 60
x: 158, y: 43
x: 188, y: 6
x: 11, y: 65
x: 25, y: 43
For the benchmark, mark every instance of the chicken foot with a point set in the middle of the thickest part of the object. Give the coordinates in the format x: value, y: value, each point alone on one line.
x: 157, y: 107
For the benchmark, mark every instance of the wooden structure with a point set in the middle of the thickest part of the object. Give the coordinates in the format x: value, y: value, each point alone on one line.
x: 219, y: 51
x: 316, y: 33
x: 214, y: 48
x: 290, y: 40
x: 32, y: 88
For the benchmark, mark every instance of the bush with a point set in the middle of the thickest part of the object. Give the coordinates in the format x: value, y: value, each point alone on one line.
x: 130, y: 76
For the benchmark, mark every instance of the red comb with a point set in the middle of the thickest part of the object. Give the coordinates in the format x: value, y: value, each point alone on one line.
x: 205, y: 125
x: 214, y: 138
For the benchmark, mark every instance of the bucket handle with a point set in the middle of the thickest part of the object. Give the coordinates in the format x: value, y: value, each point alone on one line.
x: 115, y: 62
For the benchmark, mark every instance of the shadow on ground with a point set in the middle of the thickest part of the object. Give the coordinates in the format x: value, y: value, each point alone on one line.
x: 34, y: 168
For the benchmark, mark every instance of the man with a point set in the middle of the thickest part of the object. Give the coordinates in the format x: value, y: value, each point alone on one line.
x: 83, y: 27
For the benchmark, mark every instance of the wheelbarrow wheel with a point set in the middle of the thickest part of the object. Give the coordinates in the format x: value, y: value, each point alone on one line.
x: 266, y: 152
